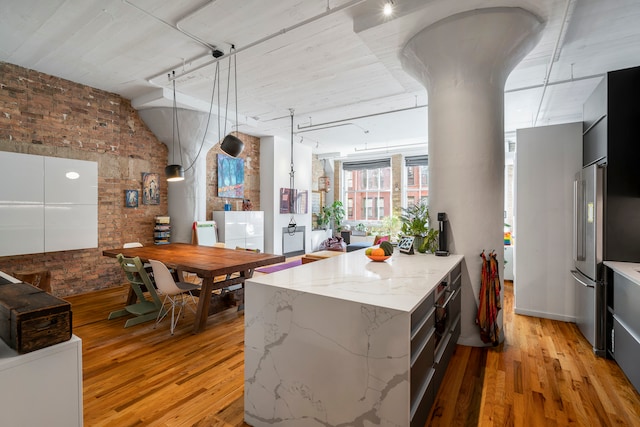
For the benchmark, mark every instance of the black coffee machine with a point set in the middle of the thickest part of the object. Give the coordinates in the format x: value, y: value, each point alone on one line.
x: 442, y: 234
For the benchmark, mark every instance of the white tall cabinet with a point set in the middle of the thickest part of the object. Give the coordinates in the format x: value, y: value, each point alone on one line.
x: 243, y: 229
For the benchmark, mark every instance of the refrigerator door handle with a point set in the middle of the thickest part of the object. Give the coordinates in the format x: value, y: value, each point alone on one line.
x: 575, y: 221
x: 579, y: 278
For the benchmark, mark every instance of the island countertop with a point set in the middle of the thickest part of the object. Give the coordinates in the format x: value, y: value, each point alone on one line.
x: 631, y: 270
x: 400, y: 283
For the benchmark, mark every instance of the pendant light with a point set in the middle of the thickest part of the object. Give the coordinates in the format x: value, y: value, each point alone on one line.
x: 175, y: 172
x: 231, y: 144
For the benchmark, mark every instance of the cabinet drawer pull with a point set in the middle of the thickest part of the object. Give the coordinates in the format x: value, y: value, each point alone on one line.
x: 452, y: 294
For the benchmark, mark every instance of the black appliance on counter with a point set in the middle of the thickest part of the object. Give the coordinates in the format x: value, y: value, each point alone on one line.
x: 442, y: 234
x: 606, y: 197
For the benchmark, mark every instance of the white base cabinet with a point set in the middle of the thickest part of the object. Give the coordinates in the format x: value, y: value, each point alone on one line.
x: 42, y: 388
x: 244, y: 229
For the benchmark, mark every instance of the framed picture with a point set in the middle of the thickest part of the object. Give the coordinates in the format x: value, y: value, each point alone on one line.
x: 230, y: 177
x: 287, y: 200
x: 131, y: 198
x: 406, y: 245
x: 302, y: 202
x: 150, y: 189
x: 316, y: 202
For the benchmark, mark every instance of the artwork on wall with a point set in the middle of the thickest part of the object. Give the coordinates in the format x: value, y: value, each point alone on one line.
x: 286, y: 197
x: 131, y: 198
x: 150, y: 189
x: 316, y: 202
x: 302, y: 202
x: 293, y: 201
x: 230, y: 177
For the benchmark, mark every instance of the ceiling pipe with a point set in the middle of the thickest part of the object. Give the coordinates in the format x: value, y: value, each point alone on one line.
x: 333, y: 126
x: 362, y: 117
x: 175, y: 27
x: 552, y: 59
x: 557, y: 82
x: 257, y: 42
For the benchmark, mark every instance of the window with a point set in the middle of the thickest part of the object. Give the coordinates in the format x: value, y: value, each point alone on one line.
x: 417, y: 185
x: 367, y: 189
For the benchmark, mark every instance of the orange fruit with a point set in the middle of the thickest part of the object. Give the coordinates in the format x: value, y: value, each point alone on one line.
x: 377, y: 252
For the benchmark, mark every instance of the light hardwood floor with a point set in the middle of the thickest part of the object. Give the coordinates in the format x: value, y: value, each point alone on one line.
x: 544, y: 375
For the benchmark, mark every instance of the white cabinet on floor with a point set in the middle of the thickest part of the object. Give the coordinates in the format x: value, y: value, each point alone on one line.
x: 42, y: 388
x: 243, y: 229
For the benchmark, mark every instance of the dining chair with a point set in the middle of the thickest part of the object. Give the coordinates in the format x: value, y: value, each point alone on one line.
x: 148, y: 307
x: 177, y: 293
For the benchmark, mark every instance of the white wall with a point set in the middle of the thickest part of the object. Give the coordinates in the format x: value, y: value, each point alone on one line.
x: 275, y: 165
x: 547, y: 159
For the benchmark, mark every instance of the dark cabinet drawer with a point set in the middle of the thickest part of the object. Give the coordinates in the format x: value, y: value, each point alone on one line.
x: 626, y: 300
x: 625, y: 351
x: 421, y: 312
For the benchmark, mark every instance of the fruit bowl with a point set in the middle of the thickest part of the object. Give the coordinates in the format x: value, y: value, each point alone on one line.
x: 378, y: 258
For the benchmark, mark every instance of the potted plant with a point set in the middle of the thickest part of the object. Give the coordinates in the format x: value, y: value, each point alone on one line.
x: 333, y: 213
x: 360, y: 230
x: 337, y: 214
x: 324, y: 218
x: 415, y: 222
x: 390, y: 226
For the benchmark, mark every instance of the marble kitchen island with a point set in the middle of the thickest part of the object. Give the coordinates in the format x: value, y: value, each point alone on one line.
x: 347, y: 341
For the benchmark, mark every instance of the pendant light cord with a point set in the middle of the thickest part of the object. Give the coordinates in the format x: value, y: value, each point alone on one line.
x: 291, y: 228
x: 216, y: 78
x: 175, y: 128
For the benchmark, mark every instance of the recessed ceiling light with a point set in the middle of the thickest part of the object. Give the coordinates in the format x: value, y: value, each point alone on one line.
x: 72, y: 175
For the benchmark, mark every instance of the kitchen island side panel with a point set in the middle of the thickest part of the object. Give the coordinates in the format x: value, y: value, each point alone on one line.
x: 313, y: 360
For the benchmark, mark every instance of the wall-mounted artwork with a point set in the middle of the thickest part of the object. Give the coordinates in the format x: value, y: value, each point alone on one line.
x: 293, y: 201
x: 131, y: 198
x: 150, y: 189
x: 230, y: 177
x: 287, y: 198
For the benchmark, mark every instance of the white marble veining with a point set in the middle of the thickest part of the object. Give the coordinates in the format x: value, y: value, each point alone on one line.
x: 399, y: 283
x: 328, y: 343
x: 630, y: 270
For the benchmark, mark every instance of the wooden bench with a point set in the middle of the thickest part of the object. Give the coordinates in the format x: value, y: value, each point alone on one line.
x: 317, y: 256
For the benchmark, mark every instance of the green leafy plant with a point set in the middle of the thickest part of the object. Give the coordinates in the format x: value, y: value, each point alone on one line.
x: 390, y: 226
x: 415, y: 222
x: 333, y: 213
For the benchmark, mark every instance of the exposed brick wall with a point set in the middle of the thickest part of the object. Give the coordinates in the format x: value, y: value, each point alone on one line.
x: 251, y: 156
x: 49, y: 116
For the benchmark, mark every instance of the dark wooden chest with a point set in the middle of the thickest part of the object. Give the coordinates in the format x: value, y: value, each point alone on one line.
x: 31, y: 319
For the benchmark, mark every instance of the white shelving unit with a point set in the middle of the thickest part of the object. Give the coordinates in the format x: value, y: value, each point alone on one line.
x: 243, y: 229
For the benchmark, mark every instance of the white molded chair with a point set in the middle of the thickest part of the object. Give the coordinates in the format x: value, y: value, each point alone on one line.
x: 178, y: 293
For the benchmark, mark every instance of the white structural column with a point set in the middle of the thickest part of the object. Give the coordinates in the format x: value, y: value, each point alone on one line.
x: 463, y: 61
x: 186, y: 199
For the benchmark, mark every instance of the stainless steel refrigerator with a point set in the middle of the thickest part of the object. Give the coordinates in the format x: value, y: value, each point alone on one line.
x: 588, y: 272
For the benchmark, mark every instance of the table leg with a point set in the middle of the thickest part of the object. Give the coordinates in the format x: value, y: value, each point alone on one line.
x: 204, y: 300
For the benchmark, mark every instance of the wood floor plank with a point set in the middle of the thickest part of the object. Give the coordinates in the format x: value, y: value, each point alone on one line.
x: 543, y: 374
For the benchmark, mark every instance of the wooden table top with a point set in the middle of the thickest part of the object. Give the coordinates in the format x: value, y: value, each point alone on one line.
x: 206, y: 261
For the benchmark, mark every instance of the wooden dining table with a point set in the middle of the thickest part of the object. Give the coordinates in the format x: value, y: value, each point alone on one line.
x: 216, y: 266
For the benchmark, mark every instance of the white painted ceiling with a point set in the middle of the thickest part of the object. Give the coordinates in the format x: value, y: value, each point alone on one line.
x: 332, y: 61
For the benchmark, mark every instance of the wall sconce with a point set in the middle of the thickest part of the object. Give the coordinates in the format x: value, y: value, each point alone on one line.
x: 396, y: 187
